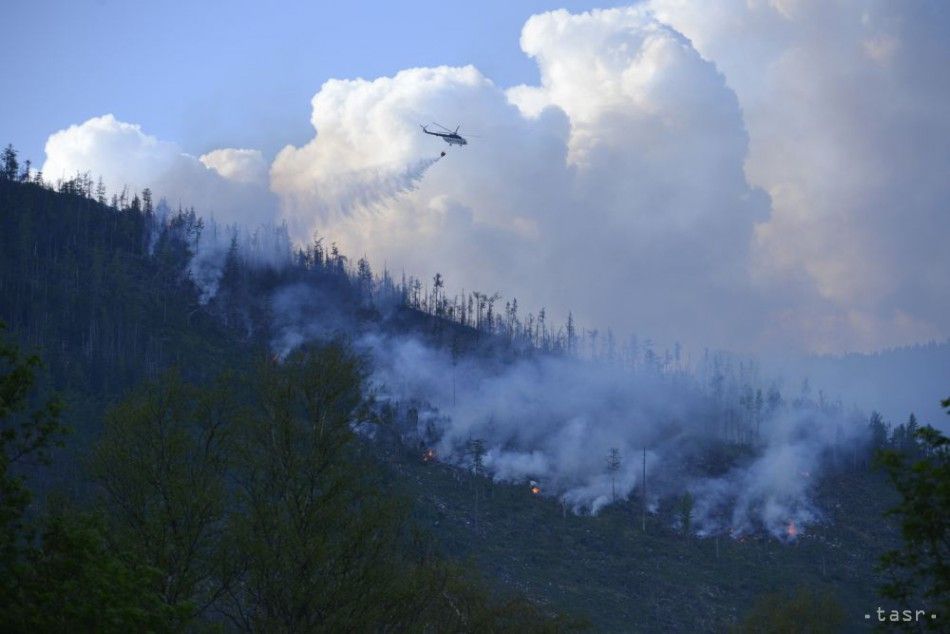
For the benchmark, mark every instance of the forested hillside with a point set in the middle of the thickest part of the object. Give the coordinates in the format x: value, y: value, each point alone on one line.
x: 275, y: 439
x: 217, y: 502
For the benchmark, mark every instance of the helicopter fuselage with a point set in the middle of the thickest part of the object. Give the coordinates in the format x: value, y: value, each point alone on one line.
x: 450, y: 138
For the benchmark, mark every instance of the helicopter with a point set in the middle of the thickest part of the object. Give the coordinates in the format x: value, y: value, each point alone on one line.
x: 452, y: 137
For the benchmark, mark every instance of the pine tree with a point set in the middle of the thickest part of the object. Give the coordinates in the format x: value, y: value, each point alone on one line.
x: 476, y: 448
x: 685, y: 512
x: 364, y: 279
x: 11, y: 167
x: 101, y: 192
x: 147, y: 207
x: 878, y: 431
x: 571, y: 334
x: 613, y: 467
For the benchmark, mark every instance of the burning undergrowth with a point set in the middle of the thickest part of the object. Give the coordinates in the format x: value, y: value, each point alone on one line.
x: 555, y: 420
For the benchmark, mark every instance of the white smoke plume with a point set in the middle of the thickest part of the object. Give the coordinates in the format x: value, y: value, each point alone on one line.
x: 210, y: 243
x: 554, y: 419
x: 340, y: 194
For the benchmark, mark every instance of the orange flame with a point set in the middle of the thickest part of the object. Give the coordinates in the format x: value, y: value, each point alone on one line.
x: 535, y: 490
x: 428, y: 455
x: 792, y: 530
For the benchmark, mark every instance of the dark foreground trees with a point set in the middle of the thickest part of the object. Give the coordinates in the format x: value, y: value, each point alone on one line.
x: 57, y: 572
x: 161, y: 465
x: 250, y: 504
x: 920, y: 570
x: 261, y: 509
x: 316, y: 535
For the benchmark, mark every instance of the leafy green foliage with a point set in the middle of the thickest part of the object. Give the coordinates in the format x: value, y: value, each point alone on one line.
x: 161, y: 461
x: 75, y: 582
x: 803, y: 612
x: 315, y: 536
x: 256, y: 503
x: 59, y: 575
x: 26, y: 433
x: 920, y: 569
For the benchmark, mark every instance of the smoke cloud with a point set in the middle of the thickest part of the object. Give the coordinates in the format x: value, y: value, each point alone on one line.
x: 554, y: 419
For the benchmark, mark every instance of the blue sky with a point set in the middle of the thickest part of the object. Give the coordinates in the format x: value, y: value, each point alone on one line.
x: 239, y: 74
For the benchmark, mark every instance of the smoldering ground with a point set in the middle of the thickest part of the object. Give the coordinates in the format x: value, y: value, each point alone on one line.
x: 555, y: 418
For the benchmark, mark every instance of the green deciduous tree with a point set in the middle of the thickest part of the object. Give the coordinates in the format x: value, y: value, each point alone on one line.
x: 312, y: 527
x: 27, y: 432
x: 162, y: 463
x: 76, y: 582
x: 56, y: 574
x: 920, y: 568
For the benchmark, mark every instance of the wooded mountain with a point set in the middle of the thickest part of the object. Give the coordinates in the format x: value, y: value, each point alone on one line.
x: 224, y: 427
